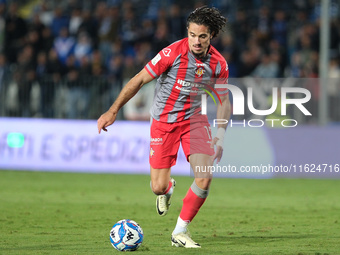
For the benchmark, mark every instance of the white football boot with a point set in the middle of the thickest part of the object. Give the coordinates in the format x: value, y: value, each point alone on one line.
x: 163, y: 202
x: 183, y: 239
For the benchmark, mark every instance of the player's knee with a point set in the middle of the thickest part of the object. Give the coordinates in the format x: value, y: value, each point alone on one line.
x: 203, y: 183
x: 158, y: 188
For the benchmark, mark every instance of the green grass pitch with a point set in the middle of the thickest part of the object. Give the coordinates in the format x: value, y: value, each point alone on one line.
x: 72, y: 213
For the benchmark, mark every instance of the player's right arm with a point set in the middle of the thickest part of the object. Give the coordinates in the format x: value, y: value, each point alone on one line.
x: 129, y: 90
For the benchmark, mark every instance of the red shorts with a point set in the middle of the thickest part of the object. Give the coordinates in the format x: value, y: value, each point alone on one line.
x: 195, y: 137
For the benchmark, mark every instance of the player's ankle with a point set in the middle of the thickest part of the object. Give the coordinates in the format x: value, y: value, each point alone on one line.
x: 178, y: 230
x: 181, y: 226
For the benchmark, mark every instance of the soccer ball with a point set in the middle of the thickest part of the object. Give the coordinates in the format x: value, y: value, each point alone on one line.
x: 126, y: 235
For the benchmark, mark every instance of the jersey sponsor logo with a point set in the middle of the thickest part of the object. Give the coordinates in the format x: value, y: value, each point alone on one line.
x: 193, y: 87
x: 184, y: 83
x: 155, y: 60
x: 183, y: 89
x: 166, y: 52
x: 199, y: 71
x: 195, y: 84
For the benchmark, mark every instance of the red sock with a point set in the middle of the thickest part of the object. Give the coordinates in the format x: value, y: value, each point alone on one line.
x: 191, y: 205
x: 169, y: 187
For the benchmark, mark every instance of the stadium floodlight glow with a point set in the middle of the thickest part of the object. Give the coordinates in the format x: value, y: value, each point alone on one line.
x: 15, y: 140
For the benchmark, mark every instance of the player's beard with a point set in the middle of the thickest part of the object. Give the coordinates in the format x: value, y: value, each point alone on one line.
x: 198, y: 55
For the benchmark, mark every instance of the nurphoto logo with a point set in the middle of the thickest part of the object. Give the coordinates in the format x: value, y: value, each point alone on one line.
x: 239, y: 103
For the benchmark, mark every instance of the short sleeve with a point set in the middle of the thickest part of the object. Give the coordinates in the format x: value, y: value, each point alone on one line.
x: 160, y: 63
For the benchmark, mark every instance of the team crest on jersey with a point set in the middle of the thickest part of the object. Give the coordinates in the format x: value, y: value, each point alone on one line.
x: 166, y: 52
x: 200, y: 71
x: 151, y: 152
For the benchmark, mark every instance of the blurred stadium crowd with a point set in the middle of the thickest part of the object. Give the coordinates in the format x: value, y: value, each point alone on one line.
x: 70, y: 58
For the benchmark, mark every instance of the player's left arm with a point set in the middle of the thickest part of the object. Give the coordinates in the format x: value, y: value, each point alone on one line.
x: 223, y: 112
x: 128, y: 91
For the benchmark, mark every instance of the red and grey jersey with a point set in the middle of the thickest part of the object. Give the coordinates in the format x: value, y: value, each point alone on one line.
x: 180, y: 74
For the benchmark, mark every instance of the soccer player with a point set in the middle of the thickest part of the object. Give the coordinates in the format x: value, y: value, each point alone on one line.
x: 182, y: 68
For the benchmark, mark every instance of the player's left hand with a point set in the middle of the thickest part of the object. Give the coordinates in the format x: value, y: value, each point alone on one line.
x: 218, y: 152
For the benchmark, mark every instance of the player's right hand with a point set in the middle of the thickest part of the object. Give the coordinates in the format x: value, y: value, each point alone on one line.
x: 105, y: 120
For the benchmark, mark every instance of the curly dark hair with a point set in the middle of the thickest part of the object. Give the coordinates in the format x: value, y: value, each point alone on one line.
x: 210, y: 17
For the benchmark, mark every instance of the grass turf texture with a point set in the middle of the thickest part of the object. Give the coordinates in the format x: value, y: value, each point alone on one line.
x: 70, y: 213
